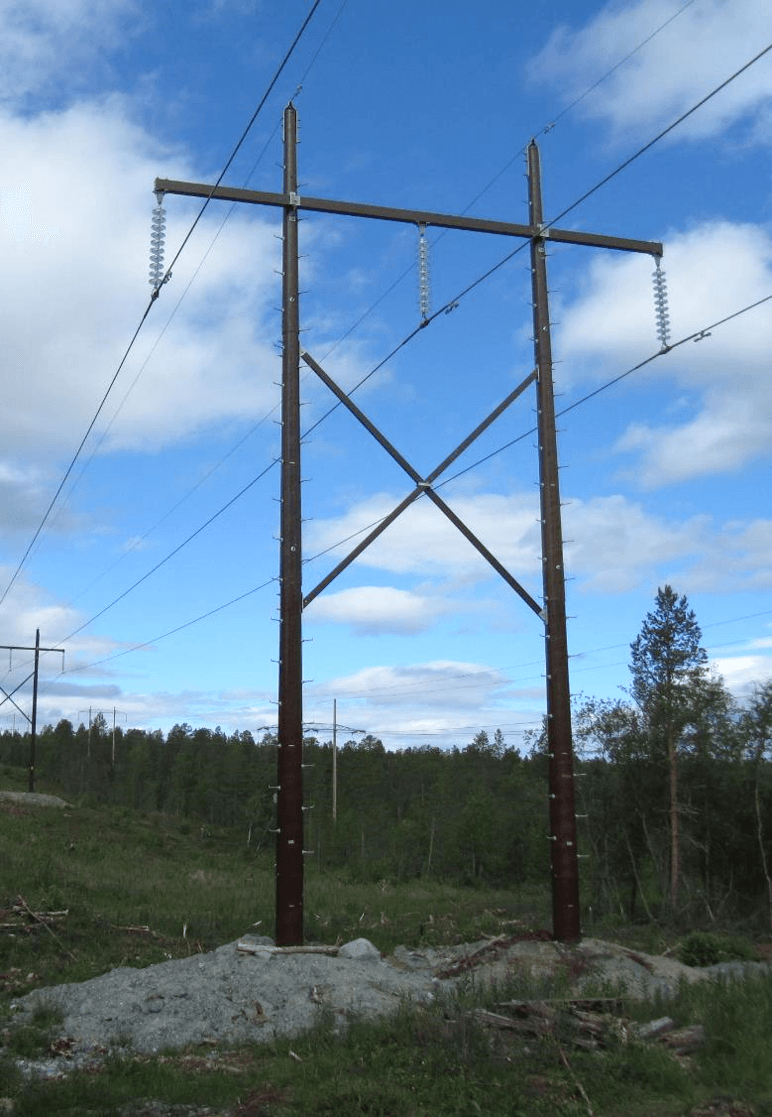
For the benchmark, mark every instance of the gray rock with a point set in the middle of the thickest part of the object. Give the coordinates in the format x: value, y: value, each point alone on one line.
x: 413, y: 959
x: 361, y: 950
x: 737, y: 969
x: 33, y: 798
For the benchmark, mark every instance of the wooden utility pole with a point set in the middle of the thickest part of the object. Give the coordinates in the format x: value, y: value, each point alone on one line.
x: 289, y: 839
x: 565, y: 876
x: 334, y: 759
x: 289, y: 864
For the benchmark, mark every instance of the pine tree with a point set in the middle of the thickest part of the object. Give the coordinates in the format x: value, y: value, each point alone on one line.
x: 669, y: 669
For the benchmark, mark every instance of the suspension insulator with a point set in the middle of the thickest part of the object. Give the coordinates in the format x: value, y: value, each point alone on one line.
x: 157, y: 238
x: 661, y: 305
x: 423, y: 273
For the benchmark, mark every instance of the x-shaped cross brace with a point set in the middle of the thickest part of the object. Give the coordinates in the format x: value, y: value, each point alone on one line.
x: 423, y: 486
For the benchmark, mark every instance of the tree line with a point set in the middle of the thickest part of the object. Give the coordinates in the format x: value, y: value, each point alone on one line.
x: 674, y: 790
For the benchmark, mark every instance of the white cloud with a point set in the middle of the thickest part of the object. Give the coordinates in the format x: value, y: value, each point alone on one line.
x: 422, y: 540
x: 439, y: 702
x: 441, y: 682
x: 380, y: 609
x: 48, y: 44
x: 617, y: 545
x: 737, y: 557
x: 613, y: 545
x: 29, y: 606
x: 742, y: 673
x: 74, y: 286
x: 712, y: 271
x: 25, y: 494
x: 681, y: 64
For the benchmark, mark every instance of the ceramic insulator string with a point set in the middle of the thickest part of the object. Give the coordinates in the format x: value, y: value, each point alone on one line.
x: 661, y: 305
x: 157, y: 238
x: 423, y: 273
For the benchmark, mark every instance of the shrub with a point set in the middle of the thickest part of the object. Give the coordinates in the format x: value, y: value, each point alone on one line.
x: 706, y: 948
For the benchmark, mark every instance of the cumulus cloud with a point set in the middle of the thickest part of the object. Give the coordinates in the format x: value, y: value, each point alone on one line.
x: 422, y: 540
x: 615, y: 544
x: 45, y: 41
x: 76, y: 279
x: 697, y: 51
x: 29, y: 606
x: 380, y: 609
x: 712, y: 271
x: 24, y: 498
x: 442, y: 702
x: 618, y: 545
x: 742, y: 673
x: 437, y: 682
x: 735, y: 557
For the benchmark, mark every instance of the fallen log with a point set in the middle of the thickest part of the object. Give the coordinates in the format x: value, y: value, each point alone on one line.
x: 260, y: 948
x: 612, y: 1005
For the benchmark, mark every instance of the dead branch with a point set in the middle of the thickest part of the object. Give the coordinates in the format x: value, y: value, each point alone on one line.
x: 577, y: 1083
x: 43, y: 923
x: 140, y: 930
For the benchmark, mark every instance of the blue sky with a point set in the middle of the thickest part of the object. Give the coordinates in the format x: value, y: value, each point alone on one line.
x: 665, y: 474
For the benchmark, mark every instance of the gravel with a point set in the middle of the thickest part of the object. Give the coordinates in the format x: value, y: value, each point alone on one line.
x: 250, y: 991
x: 224, y: 997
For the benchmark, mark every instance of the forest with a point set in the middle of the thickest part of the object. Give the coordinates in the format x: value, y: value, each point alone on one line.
x: 673, y: 791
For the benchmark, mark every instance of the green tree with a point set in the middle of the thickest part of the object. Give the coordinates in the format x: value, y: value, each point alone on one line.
x: 669, y: 670
x: 757, y: 727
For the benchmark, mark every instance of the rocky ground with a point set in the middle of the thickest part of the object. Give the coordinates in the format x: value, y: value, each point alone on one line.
x: 249, y: 990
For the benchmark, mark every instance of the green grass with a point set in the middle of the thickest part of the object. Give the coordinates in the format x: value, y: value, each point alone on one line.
x: 116, y: 869
x: 113, y: 869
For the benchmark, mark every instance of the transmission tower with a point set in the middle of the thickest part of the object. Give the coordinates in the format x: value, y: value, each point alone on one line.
x: 551, y: 612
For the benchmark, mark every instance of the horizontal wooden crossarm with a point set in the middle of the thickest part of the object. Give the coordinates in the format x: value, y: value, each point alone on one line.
x: 407, y: 216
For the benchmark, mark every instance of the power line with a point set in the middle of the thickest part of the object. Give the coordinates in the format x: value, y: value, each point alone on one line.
x: 444, y: 309
x: 698, y: 335
x: 546, y: 128
x: 452, y: 303
x: 169, y: 320
x: 238, y: 146
x: 170, y: 555
x: 154, y: 297
x: 543, y: 130
x: 172, y: 631
x: 71, y: 466
x: 665, y: 131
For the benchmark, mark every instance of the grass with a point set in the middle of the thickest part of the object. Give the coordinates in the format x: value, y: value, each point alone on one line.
x: 139, y: 889
x: 440, y: 1060
x: 117, y: 871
